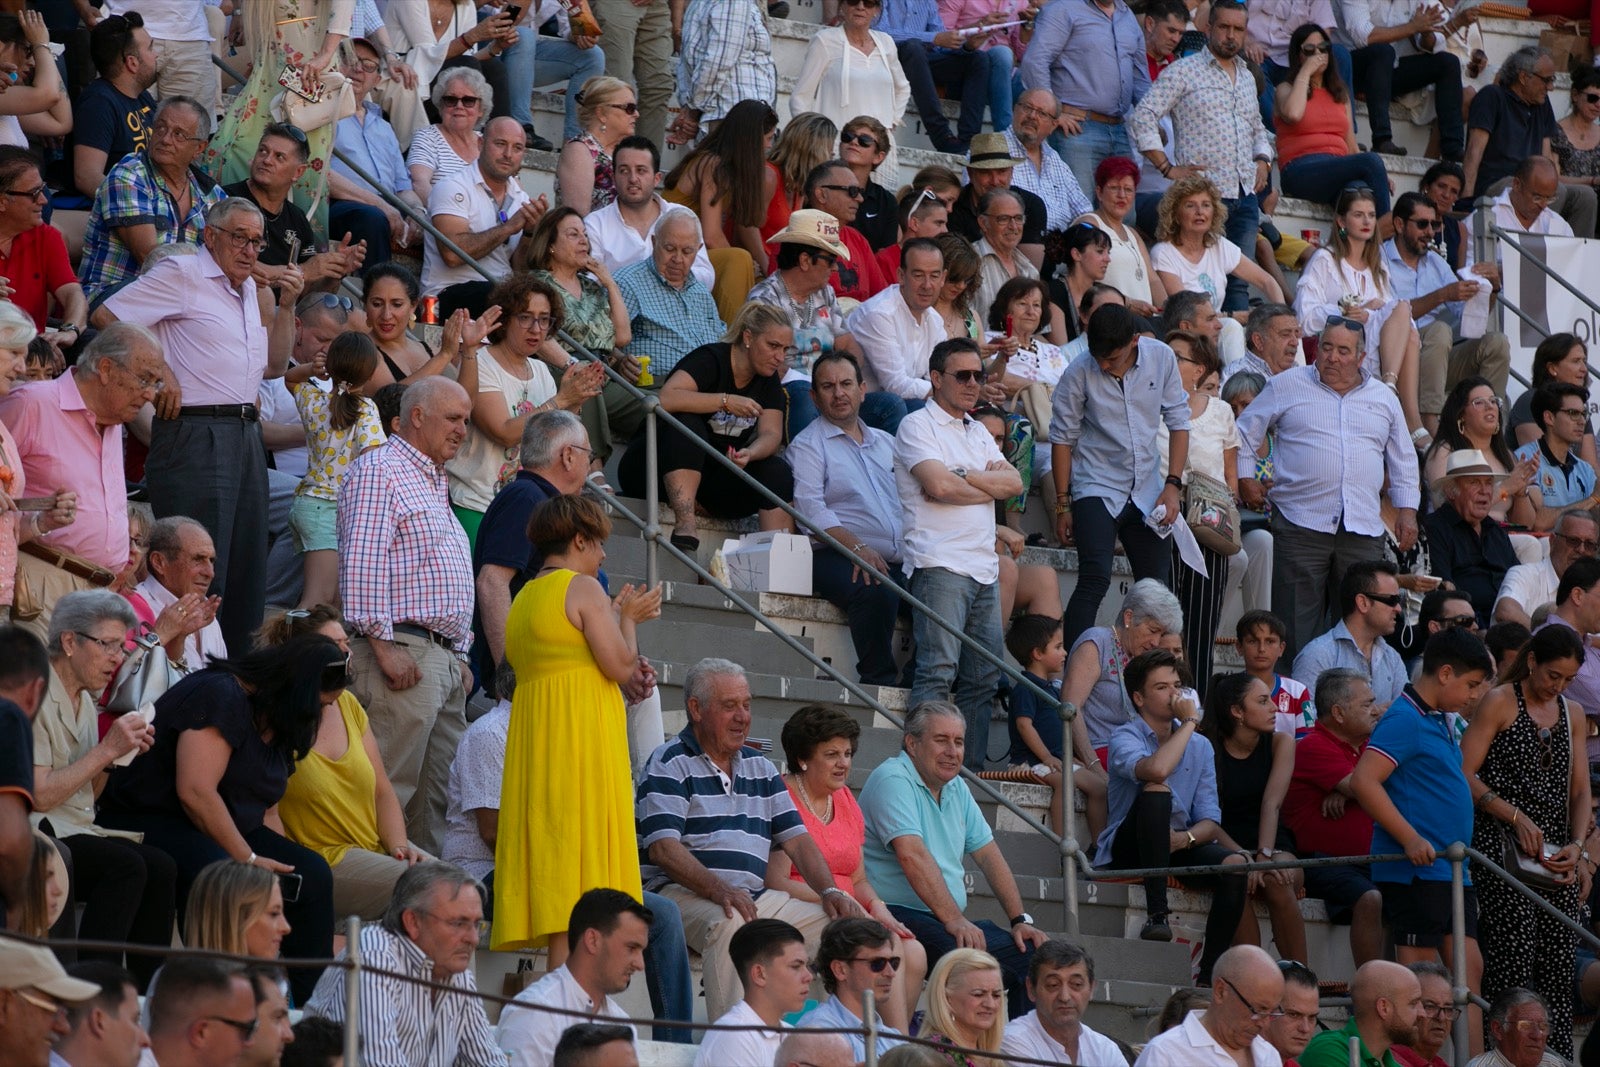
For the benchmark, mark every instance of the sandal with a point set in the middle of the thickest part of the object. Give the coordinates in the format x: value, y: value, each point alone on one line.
x: 685, y: 542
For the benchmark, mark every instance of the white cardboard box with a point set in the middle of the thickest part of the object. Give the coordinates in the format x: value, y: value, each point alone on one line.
x: 769, y: 562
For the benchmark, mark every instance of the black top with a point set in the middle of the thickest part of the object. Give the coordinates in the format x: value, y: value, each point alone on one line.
x: 1476, y: 563
x: 1516, y: 131
x: 503, y: 542
x: 711, y: 367
x: 253, y: 781
x: 278, y: 227
x: 878, y: 218
x: 1241, y: 783
x: 16, y: 762
x: 964, y: 216
x: 103, y: 118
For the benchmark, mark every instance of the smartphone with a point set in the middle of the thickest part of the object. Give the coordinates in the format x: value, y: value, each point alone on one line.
x: 515, y: 11
x: 289, y: 885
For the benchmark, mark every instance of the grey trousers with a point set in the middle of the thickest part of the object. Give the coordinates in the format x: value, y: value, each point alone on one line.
x: 286, y: 575
x: 1307, y: 567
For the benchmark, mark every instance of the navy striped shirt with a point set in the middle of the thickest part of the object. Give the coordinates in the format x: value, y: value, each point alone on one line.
x: 685, y: 797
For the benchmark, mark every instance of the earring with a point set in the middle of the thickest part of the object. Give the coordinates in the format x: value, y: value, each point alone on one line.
x: 1343, y: 232
x: 1461, y: 427
x: 602, y: 127
x: 802, y: 768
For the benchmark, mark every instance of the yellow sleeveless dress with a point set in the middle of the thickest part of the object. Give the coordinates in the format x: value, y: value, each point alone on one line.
x: 566, y: 798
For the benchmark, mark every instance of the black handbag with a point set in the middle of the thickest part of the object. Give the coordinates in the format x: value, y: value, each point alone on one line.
x: 1524, y: 868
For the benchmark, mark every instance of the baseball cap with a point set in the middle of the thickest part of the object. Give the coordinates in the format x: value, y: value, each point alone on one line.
x: 28, y: 966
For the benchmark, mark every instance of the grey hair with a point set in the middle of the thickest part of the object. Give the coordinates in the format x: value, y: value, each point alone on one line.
x: 1574, y: 513
x: 1361, y: 335
x: 546, y: 434
x: 1262, y: 314
x: 1431, y: 969
x: 202, y: 127
x: 1510, y: 1000
x: 505, y: 679
x: 678, y: 213
x: 166, y: 251
x: 805, y: 1047
x: 413, y: 890
x: 78, y: 611
x: 420, y: 395
x: 697, y: 683
x: 1004, y: 192
x: 219, y: 213
x: 118, y: 342
x: 918, y: 718
x: 1334, y: 687
x: 1246, y: 381
x: 1522, y: 61
x: 17, y: 329
x: 1150, y: 600
x: 475, y: 81
x: 166, y: 535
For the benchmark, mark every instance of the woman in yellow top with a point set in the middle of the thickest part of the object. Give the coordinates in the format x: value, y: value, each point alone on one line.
x: 339, y: 802
x: 566, y: 802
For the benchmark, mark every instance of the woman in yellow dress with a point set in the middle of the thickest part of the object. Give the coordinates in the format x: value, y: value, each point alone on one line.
x: 566, y: 802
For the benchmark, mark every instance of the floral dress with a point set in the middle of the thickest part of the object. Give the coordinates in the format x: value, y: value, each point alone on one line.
x: 1575, y: 162
x: 605, y: 181
x: 588, y: 318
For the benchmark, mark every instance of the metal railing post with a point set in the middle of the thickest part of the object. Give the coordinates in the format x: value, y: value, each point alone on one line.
x: 869, y: 1015
x: 1457, y: 854
x: 1069, y: 827
x: 352, y: 992
x: 652, y: 491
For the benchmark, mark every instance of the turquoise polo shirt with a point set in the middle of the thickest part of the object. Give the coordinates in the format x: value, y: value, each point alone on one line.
x: 896, y: 802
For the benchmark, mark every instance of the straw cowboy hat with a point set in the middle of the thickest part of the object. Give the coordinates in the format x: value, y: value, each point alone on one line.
x: 990, y: 151
x: 1466, y: 463
x: 814, y: 228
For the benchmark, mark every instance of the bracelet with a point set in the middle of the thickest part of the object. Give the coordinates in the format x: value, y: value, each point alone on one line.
x: 834, y: 889
x: 1174, y: 481
x: 1418, y: 434
x: 1483, y: 801
x: 251, y: 862
x: 1165, y: 168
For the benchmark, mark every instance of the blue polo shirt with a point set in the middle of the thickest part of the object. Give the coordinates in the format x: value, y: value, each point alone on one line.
x: 1427, y: 786
x: 896, y: 802
x: 1046, y: 719
x: 1560, y: 484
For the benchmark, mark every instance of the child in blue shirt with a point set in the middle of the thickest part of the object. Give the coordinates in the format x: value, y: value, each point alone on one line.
x: 1037, y: 732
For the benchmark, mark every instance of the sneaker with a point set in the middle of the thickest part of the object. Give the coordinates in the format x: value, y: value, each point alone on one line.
x: 1388, y: 148
x: 778, y: 10
x: 1156, y: 929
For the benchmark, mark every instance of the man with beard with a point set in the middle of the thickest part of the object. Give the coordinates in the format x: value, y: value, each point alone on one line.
x: 1387, y: 1003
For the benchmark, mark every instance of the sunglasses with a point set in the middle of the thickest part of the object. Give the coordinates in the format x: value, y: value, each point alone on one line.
x: 877, y: 966
x: 1591, y: 98
x: 965, y: 377
x: 286, y: 129
x: 861, y: 140
x: 852, y: 191
x: 451, y: 100
x: 336, y: 675
x: 1349, y: 324
x: 1315, y: 49
x: 863, y: 3
x: 1391, y: 600
x: 327, y: 300
x: 1453, y: 622
x: 630, y: 108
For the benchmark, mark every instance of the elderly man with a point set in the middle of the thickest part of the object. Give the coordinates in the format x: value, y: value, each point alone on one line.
x: 355, y: 208
x: 282, y: 156
x: 1438, y: 1012
x: 109, y: 117
x: 1000, y: 220
x: 815, y: 1050
x: 1090, y: 57
x: 1469, y: 552
x: 405, y: 574
x: 133, y: 208
x: 1247, y: 991
x: 921, y: 822
x: 898, y: 329
x: 1105, y: 461
x: 202, y: 1013
x: 1060, y: 982
x: 68, y: 432
x: 934, y: 55
x: 1578, y: 607
x: 1523, y: 204
x: 844, y: 483
x: 37, y: 269
x: 1386, y: 1003
x: 949, y: 473
x: 1041, y: 170
x: 671, y: 311
x: 1519, y: 1032
x: 620, y: 232
x: 205, y: 311
x: 25, y: 674
x: 1272, y: 341
x: 1337, y: 435
x: 831, y: 187
x: 1419, y: 274
x: 1369, y: 609
x: 711, y: 810
x: 35, y: 996
x: 1217, y: 128
x: 430, y: 933
x: 1321, y: 811
x: 182, y: 560
x: 990, y: 165
x: 105, y: 1030
x: 848, y: 962
x: 486, y: 212
x: 1291, y: 1031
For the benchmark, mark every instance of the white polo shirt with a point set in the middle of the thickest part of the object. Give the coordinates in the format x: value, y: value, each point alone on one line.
x: 957, y: 537
x: 1026, y: 1036
x: 464, y: 194
x: 1190, y: 1044
x: 618, y: 245
x: 726, y: 1048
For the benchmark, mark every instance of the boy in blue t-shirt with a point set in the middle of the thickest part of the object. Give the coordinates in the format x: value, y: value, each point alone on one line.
x: 1037, y: 732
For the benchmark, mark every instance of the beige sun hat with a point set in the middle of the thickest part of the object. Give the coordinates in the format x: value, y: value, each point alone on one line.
x: 818, y: 229
x: 1466, y: 463
x: 990, y: 151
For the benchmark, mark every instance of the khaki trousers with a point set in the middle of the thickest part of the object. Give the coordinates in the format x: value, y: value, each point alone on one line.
x: 1444, y: 363
x: 48, y: 584
x: 363, y: 884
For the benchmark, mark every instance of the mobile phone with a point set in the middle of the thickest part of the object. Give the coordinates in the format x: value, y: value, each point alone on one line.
x: 289, y: 885
x: 515, y: 11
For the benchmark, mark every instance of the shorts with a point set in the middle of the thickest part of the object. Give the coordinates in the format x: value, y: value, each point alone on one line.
x: 1339, y: 888
x: 1418, y: 912
x: 312, y: 521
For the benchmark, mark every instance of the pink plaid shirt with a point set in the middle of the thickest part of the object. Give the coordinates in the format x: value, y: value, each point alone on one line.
x: 403, y: 557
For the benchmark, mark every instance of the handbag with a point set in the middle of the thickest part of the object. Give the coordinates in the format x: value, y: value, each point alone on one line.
x: 1524, y: 868
x: 337, y: 100
x: 1212, y: 516
x: 145, y: 675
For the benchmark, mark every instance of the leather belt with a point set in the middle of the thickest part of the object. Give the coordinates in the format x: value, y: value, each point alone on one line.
x: 243, y: 412
x: 423, y: 632
x: 1092, y: 116
x: 73, y: 565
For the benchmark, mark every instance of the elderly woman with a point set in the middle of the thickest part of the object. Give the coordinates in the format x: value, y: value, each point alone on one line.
x: 339, y: 802
x: 508, y: 382
x: 729, y: 395
x: 226, y: 739
x: 464, y: 99
x: 819, y: 746
x: 1525, y: 760
x: 1093, y: 682
x: 236, y: 908
x: 607, y: 113
x: 126, y: 887
x: 1116, y: 185
x: 432, y: 36
x: 967, y: 1006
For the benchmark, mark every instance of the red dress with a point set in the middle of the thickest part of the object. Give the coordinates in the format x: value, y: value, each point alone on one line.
x: 840, y: 841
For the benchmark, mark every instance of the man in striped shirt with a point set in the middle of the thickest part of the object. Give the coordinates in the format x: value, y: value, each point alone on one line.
x: 710, y: 812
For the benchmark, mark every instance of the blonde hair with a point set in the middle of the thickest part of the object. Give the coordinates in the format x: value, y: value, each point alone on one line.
x: 597, y: 92
x: 806, y: 143
x: 757, y: 318
x: 33, y: 918
x: 1167, y: 226
x: 226, y: 898
x: 954, y: 965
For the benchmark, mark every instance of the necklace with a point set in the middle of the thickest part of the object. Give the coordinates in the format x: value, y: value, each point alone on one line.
x: 825, y: 816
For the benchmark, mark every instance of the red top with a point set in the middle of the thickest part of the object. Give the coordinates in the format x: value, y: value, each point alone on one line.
x: 1321, y: 760
x: 1412, y: 1058
x: 840, y: 841
x: 1321, y: 130
x: 859, y: 279
x: 1158, y: 65
x: 889, y: 265
x: 36, y: 267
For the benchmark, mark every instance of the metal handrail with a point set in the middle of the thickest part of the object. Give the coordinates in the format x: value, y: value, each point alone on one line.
x: 1510, y: 237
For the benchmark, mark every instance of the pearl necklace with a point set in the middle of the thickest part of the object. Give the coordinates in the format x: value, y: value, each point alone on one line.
x: 805, y: 798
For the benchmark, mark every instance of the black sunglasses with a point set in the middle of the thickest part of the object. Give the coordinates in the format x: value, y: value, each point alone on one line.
x: 862, y: 140
x: 1392, y: 600
x: 852, y: 191
x: 1591, y: 98
x: 452, y: 100
x: 1315, y: 49
x: 1349, y: 324
x: 286, y: 129
x: 876, y: 966
x: 965, y: 377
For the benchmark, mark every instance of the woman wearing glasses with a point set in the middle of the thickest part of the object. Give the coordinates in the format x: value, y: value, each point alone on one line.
x: 1317, y: 152
x: 608, y: 115
x: 451, y: 145
x: 1525, y: 760
x: 1576, y: 140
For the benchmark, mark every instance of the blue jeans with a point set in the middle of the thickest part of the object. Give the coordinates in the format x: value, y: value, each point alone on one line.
x: 946, y: 669
x: 937, y: 941
x: 1244, y: 222
x: 555, y: 60
x: 666, y: 971
x: 1095, y: 530
x: 881, y: 411
x: 1275, y: 75
x: 974, y: 78
x: 1095, y: 141
x: 1321, y: 177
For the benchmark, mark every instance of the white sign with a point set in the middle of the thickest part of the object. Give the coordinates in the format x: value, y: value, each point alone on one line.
x: 1551, y: 306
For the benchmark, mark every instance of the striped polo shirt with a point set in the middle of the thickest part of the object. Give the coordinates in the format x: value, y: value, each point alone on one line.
x: 728, y: 823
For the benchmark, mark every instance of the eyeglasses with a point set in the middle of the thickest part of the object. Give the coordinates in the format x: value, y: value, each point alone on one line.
x: 146, y: 383
x: 852, y: 191
x: 1315, y: 49
x: 1538, y: 198
x: 1484, y: 402
x: 1440, y: 1011
x: 1573, y: 413
x: 451, y: 100
x: 1256, y: 1014
x: 965, y: 377
x: 41, y: 193
x: 1005, y: 220
x: 1391, y: 600
x: 246, y: 1030
x: 1529, y: 1026
x: 163, y: 131
x: 527, y: 320
x: 862, y: 140
x: 42, y: 1003
x: 1548, y: 79
x: 369, y: 65
x: 630, y: 108
x: 1582, y: 544
x: 586, y: 451
x: 109, y: 645
x: 877, y: 965
x: 460, y: 926
x: 241, y: 240
x: 1041, y: 112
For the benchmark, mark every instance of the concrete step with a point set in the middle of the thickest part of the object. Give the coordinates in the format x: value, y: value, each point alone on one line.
x: 687, y: 642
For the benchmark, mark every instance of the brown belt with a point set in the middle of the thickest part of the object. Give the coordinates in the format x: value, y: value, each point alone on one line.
x: 1093, y: 116
x: 73, y: 565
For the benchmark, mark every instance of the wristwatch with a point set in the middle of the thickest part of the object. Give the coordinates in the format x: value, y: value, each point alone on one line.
x: 959, y: 472
x: 1018, y: 920
x: 1175, y: 481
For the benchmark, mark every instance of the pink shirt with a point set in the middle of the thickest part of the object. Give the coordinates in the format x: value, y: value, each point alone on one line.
x: 958, y: 13
x: 210, y: 332
x: 63, y: 448
x: 839, y: 840
x: 14, y: 481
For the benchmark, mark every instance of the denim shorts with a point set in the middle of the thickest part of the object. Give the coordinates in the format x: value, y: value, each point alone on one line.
x: 312, y: 521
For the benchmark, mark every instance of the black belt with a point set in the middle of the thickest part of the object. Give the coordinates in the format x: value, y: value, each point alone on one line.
x: 423, y: 632
x: 243, y: 412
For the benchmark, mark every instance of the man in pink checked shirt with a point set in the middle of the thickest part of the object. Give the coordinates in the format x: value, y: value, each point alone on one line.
x: 405, y: 574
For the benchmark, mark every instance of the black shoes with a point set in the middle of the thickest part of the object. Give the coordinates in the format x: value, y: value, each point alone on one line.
x: 1156, y: 929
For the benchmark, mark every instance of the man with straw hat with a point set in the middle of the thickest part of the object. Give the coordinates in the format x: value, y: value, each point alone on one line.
x: 34, y: 993
x: 990, y: 165
x: 1471, y: 553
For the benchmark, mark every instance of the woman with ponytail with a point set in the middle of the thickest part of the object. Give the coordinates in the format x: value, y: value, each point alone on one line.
x: 341, y: 424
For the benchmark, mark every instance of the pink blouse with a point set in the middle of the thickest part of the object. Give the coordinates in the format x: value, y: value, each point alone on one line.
x: 14, y: 485
x: 840, y: 840
x: 957, y: 13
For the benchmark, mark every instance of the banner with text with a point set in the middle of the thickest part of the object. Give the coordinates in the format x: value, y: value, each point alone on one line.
x: 1551, y: 306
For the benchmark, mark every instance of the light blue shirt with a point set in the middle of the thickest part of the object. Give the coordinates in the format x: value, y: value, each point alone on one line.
x: 1560, y: 485
x: 373, y: 146
x: 1111, y: 425
x: 832, y: 1013
x: 1087, y: 60
x: 840, y: 483
x: 910, y: 20
x: 1337, y: 648
x: 1193, y: 782
x: 896, y: 802
x: 1432, y: 273
x: 1054, y: 183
